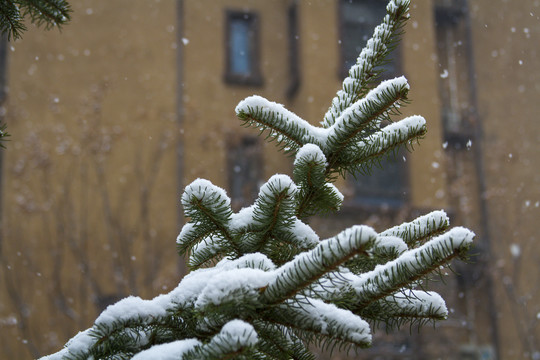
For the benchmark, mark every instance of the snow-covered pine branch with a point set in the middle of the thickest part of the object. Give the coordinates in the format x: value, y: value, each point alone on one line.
x: 289, y: 130
x: 309, y: 266
x: 407, y: 306
x: 411, y: 266
x: 315, y: 195
x: 263, y: 285
x: 361, y: 156
x: 317, y: 317
x: 365, y: 72
x: 420, y: 229
x: 354, y: 140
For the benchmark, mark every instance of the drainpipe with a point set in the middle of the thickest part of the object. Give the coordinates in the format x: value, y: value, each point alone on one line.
x: 180, y: 114
x: 481, y: 181
x: 3, y: 94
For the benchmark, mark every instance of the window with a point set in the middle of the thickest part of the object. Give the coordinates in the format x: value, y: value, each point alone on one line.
x: 244, y: 163
x: 293, y: 39
x: 242, y: 48
x: 358, y: 19
x: 454, y: 63
x: 385, y: 186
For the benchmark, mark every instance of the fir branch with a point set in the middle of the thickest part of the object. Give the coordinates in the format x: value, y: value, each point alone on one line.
x: 208, y: 251
x: 274, y: 207
x: 322, y: 324
x: 364, y: 73
x: 309, y: 167
x: 290, y: 131
x: 210, y: 211
x: 278, y: 342
x: 277, y: 287
x: 396, y: 313
x: 327, y: 319
x: 224, y: 295
x: 411, y: 266
x: 234, y: 339
x: 280, y: 251
x: 3, y: 134
x: 299, y: 235
x: 177, y: 348
x: 257, y: 227
x: 359, y: 157
x: 314, y: 194
x: 50, y: 13
x: 388, y: 247
x: 11, y: 22
x: 306, y: 268
x: 385, y: 249
x: 418, y: 231
x: 413, y: 306
x: 126, y: 337
x: 369, y: 111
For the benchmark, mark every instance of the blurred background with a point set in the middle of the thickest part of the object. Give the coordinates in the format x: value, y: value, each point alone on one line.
x: 112, y: 116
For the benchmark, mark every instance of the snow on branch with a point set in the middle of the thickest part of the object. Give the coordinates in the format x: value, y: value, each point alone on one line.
x: 326, y: 319
x: 368, y: 111
x: 388, y: 246
x: 238, y: 286
x: 309, y: 266
x: 412, y: 265
x: 418, y: 230
x: 406, y: 306
x: 315, y: 195
x: 271, y: 285
x: 275, y: 203
x: 202, y: 192
x: 288, y: 129
x: 384, y: 141
x: 364, y: 72
x: 210, y: 211
x: 168, y: 351
x: 416, y: 303
x: 207, y: 250
x: 375, y: 106
x: 310, y: 167
x: 235, y: 337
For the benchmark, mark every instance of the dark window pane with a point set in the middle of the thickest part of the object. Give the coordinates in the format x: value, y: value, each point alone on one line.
x: 384, y: 186
x: 245, y: 170
x: 240, y: 54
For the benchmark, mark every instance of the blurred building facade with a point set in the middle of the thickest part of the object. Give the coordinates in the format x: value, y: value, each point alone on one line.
x: 133, y: 100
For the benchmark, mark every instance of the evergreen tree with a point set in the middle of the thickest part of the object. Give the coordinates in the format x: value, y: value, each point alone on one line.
x: 263, y: 285
x: 49, y: 13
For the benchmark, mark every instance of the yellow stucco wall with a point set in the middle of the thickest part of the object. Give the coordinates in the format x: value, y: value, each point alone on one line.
x: 90, y: 175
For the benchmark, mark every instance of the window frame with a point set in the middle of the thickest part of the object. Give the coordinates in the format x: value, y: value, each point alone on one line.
x: 293, y: 43
x: 254, y: 78
x: 394, y: 199
x: 243, y: 184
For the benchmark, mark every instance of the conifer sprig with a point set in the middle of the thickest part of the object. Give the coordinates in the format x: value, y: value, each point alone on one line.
x: 263, y: 285
x: 47, y: 13
x: 365, y: 72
